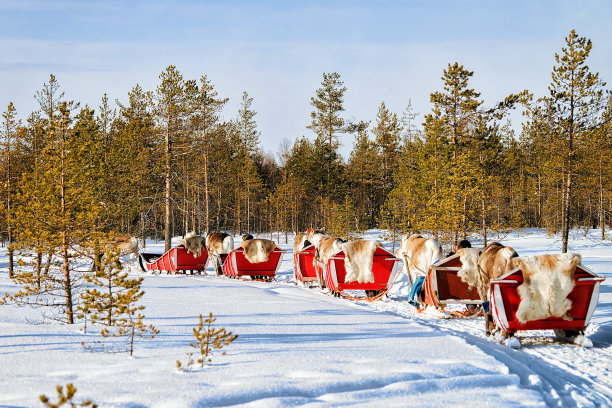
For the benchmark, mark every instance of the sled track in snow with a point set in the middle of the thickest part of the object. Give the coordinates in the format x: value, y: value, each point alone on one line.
x: 560, y: 372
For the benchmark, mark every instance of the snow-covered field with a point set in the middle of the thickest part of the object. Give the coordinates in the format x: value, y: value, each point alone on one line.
x: 302, y: 347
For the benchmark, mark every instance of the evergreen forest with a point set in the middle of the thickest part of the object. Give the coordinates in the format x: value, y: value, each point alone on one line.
x: 163, y: 162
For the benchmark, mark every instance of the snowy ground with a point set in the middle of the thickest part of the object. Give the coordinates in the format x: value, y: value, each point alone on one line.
x: 302, y: 347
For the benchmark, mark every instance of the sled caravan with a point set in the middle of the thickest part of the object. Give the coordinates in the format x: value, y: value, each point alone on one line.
x: 545, y: 292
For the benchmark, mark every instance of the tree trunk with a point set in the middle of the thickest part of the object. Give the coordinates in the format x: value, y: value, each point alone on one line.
x: 168, y: 186
x: 206, y: 197
x: 65, y: 258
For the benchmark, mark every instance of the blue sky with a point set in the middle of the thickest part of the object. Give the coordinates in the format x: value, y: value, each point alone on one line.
x: 392, y: 51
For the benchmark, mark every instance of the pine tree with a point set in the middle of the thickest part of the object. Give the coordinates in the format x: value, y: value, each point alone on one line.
x: 56, y: 213
x: 170, y: 110
x: 117, y: 309
x: 248, y: 147
x: 65, y: 398
x: 327, y: 123
x: 135, y: 161
x: 363, y: 175
x: 577, y: 99
x: 387, y: 141
x: 9, y: 129
x: 100, y: 304
x: 49, y: 98
x: 458, y: 106
x: 209, y: 338
x: 207, y: 106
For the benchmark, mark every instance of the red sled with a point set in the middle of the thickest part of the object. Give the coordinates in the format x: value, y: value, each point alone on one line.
x: 384, y: 267
x: 442, y: 286
x: 505, y: 301
x: 237, y: 266
x: 175, y: 260
x: 304, y: 269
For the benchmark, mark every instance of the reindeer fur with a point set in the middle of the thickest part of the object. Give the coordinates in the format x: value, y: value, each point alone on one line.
x: 359, y: 258
x: 418, y: 253
x: 126, y: 244
x: 218, y: 243
x: 257, y: 250
x: 547, y: 281
x: 193, y: 244
x: 470, y: 272
x: 326, y: 247
x: 300, y: 241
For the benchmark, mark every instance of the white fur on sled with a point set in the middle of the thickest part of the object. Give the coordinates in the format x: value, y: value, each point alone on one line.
x: 548, y: 280
x: 359, y: 258
x: 470, y: 272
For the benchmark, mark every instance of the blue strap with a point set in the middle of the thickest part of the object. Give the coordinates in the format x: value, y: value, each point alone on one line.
x: 416, y: 289
x: 485, y: 306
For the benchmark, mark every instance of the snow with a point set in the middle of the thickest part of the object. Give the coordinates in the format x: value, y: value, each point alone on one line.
x: 301, y: 347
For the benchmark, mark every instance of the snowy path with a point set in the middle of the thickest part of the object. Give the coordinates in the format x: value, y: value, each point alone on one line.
x: 301, y: 347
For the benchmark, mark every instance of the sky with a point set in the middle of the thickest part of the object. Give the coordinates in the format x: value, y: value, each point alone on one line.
x: 277, y: 51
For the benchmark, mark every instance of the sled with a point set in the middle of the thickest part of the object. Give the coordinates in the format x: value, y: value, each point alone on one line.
x: 237, y: 266
x: 384, y: 267
x: 442, y: 286
x: 505, y: 301
x: 303, y: 266
x: 175, y: 260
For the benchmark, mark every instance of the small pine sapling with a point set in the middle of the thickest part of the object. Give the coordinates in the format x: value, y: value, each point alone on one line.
x: 209, y: 338
x: 190, y: 363
x: 131, y: 323
x: 66, y: 398
x: 114, y: 302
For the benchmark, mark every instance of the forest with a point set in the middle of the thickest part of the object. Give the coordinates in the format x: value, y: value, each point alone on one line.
x: 163, y: 163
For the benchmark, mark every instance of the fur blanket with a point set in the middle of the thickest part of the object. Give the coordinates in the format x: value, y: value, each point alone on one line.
x: 470, y: 272
x: 547, y: 281
x: 359, y: 260
x: 258, y: 250
x: 193, y: 244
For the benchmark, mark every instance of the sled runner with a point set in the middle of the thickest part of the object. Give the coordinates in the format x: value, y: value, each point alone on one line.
x: 236, y: 265
x: 442, y: 286
x: 175, y: 260
x: 303, y: 268
x: 384, y: 267
x: 505, y: 302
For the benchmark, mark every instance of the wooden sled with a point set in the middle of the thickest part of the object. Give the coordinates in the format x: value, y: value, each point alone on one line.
x: 505, y: 301
x: 442, y: 287
x: 175, y: 260
x: 385, y: 270
x: 237, y: 266
x: 304, y: 269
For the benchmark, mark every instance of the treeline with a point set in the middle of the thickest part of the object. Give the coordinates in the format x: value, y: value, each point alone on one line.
x: 164, y: 163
